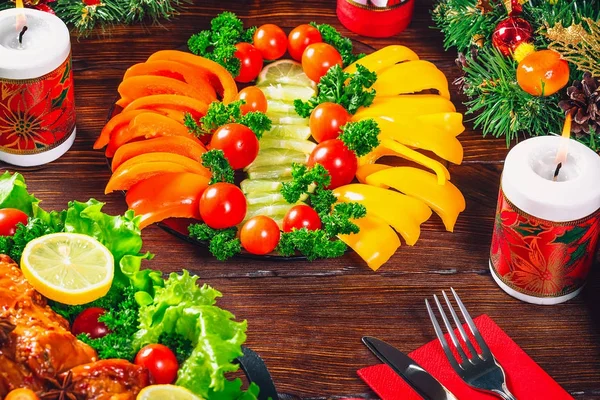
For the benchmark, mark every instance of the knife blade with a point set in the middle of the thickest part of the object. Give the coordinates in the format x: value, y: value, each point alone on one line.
x: 420, y: 380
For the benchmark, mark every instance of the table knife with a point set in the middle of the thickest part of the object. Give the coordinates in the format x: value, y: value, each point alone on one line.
x: 420, y: 380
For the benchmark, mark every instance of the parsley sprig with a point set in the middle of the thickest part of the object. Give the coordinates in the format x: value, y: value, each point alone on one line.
x: 343, y: 44
x: 219, y: 114
x: 312, y: 244
x: 222, y: 243
x: 218, y: 43
x: 351, y: 91
x: 361, y: 137
x: 218, y: 165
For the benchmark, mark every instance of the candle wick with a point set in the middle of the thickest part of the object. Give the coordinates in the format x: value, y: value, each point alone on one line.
x: 557, y: 171
x: 21, y: 34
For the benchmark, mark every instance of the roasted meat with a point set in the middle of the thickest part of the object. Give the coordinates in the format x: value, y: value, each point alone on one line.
x: 109, y: 380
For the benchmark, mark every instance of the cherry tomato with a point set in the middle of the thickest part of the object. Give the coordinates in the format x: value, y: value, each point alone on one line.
x: 252, y: 62
x: 160, y: 361
x: 21, y: 394
x: 301, y: 216
x: 271, y: 41
x: 222, y: 205
x: 87, y: 322
x: 238, y: 142
x: 318, y: 58
x: 255, y: 100
x: 340, y: 161
x: 326, y: 121
x: 260, y: 235
x: 9, y: 218
x: 300, y: 38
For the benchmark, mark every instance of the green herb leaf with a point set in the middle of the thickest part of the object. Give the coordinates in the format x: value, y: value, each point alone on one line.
x: 179, y: 345
x: 218, y: 165
x: 312, y: 244
x: 361, y: 137
x: 223, y: 243
x: 322, y: 200
x: 302, y: 179
x: 343, y: 44
x: 338, y: 221
x: 257, y: 121
x: 219, y: 114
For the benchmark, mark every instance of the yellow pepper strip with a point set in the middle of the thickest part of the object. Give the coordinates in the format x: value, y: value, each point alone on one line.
x: 404, y: 213
x: 446, y: 200
x: 411, y: 132
x: 367, y: 169
x: 448, y: 122
x: 411, y: 77
x: 405, y: 105
x: 389, y: 147
x: 375, y: 243
x: 383, y: 58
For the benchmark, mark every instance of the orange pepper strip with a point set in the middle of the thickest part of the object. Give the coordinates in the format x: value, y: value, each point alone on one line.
x: 181, y: 145
x: 171, y: 69
x: 112, y: 126
x: 170, y: 101
x: 147, y: 165
x: 221, y: 78
x: 375, y: 243
x: 171, y: 195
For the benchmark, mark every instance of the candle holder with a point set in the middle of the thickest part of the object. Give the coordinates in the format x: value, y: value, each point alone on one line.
x: 375, y: 18
x: 37, y: 107
x: 547, y: 225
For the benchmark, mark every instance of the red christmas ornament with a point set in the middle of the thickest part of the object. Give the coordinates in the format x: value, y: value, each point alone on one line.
x: 515, y: 8
x: 510, y: 33
x: 91, y: 3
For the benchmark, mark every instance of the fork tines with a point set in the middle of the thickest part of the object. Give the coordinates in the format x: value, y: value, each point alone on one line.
x: 464, y: 360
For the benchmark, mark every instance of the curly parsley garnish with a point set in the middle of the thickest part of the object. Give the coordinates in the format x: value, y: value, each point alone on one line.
x: 218, y: 165
x: 343, y: 44
x: 222, y: 243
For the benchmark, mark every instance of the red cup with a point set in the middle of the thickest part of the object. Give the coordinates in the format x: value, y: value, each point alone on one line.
x: 375, y: 18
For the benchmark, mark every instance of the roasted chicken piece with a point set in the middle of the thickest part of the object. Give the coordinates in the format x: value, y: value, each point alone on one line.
x: 109, y: 380
x: 41, y: 345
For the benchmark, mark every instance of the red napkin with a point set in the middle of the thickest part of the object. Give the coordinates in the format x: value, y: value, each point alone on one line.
x: 526, y: 379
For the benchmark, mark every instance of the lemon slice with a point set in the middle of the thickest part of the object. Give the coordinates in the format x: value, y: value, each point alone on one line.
x: 68, y: 267
x: 166, y: 392
x: 286, y: 72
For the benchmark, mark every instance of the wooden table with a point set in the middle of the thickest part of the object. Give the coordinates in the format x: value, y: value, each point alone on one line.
x: 306, y: 319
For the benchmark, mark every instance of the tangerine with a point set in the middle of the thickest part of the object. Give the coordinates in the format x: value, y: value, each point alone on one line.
x: 543, y: 73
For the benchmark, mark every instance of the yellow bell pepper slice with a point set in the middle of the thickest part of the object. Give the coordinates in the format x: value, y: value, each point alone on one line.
x: 404, y: 213
x: 375, y: 243
x: 411, y: 77
x: 367, y: 169
x: 405, y: 105
x: 448, y: 122
x: 381, y: 59
x: 411, y: 132
x: 389, y: 147
x: 445, y: 200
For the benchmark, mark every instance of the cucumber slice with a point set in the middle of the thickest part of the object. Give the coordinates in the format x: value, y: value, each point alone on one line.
x: 298, y: 132
x: 257, y: 198
x: 286, y: 93
x: 278, y: 157
x: 280, y: 107
x: 287, y: 119
x: 300, y: 145
x: 270, y: 172
x: 260, y: 186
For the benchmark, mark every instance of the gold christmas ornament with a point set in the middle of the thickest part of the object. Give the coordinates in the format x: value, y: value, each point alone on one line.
x: 479, y: 40
x: 484, y: 6
x: 579, y: 44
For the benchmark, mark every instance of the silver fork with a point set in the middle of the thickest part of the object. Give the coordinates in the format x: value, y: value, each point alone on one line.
x: 481, y: 371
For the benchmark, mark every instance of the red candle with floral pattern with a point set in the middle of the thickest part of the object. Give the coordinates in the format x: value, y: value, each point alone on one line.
x: 37, y: 108
x: 547, y: 225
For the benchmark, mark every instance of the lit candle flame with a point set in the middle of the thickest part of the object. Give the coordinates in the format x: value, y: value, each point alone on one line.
x: 563, y: 150
x: 21, y: 18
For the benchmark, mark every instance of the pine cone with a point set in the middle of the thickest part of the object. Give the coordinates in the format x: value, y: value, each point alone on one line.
x: 583, y: 104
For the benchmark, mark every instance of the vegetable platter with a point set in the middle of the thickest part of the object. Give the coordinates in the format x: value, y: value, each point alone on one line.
x: 290, y: 164
x: 80, y: 318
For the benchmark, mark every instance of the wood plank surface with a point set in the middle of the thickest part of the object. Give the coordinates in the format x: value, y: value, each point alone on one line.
x: 306, y: 319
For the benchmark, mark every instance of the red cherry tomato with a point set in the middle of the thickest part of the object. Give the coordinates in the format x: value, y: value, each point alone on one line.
x: 326, y: 121
x: 252, y: 62
x: 9, y: 218
x: 301, y: 216
x: 260, y: 235
x: 87, y: 322
x: 318, y: 58
x: 238, y: 142
x: 340, y: 161
x: 160, y: 361
x: 271, y: 41
x: 300, y: 38
x: 255, y: 100
x: 222, y: 205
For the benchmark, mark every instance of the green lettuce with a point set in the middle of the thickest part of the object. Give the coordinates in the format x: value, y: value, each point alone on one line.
x: 13, y: 193
x: 182, y: 307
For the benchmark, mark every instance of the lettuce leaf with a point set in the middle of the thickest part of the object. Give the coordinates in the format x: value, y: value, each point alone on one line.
x: 184, y: 308
x: 13, y: 193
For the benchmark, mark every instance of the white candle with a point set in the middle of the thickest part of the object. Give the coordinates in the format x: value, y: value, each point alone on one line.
x: 546, y: 230
x: 37, y: 112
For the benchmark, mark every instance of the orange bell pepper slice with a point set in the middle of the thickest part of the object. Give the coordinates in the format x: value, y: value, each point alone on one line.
x: 221, y: 79
x: 113, y: 125
x: 170, y: 69
x: 181, y: 145
x: 148, y: 85
x: 170, y: 195
x: 170, y: 101
x: 147, y: 165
